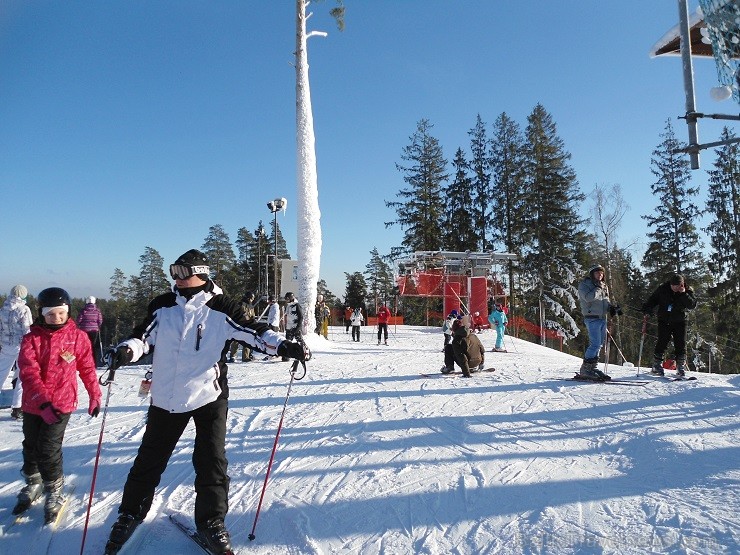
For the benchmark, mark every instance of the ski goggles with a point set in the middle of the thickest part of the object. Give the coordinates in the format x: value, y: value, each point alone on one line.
x: 182, y: 271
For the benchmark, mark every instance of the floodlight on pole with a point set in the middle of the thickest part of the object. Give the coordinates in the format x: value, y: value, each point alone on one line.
x: 260, y: 238
x: 275, y: 206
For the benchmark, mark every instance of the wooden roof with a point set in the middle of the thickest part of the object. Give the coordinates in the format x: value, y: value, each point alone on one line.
x: 670, y: 44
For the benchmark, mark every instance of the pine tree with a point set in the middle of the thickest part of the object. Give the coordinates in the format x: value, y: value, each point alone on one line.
x: 244, y: 274
x: 150, y: 282
x: 509, y: 194
x: 480, y: 176
x: 282, y: 254
x: 723, y: 204
x: 220, y: 256
x: 420, y: 210
x: 674, y: 241
x: 119, y: 313
x: 330, y: 298
x: 355, y: 291
x: 379, y: 279
x: 556, y: 231
x: 118, y: 290
x: 252, y: 249
x: 458, y: 232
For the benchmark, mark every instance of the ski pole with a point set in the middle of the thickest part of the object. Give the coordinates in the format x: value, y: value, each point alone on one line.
x: 624, y: 359
x: 606, y: 349
x: 274, y: 445
x: 642, y: 342
x: 109, y: 382
x: 100, y: 343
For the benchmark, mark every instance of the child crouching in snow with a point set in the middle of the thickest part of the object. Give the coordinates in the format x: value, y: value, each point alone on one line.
x: 52, y: 353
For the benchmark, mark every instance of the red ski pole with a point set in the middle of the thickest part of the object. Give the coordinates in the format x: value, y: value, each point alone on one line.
x: 109, y: 383
x: 274, y: 445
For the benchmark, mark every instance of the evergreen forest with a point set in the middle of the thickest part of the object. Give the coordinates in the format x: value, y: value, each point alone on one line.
x: 512, y: 189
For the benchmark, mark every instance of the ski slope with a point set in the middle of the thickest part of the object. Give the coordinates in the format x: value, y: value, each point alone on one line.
x: 374, y: 458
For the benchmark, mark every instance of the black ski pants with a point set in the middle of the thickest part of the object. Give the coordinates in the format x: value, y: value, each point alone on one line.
x: 42, y: 446
x: 163, y: 430
x: 666, y: 331
x: 382, y: 329
x: 355, y: 333
x: 95, y: 343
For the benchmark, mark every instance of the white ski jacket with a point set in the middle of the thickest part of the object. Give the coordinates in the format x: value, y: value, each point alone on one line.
x: 192, y: 337
x: 15, y: 321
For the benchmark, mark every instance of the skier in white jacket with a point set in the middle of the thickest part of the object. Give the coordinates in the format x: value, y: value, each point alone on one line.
x: 189, y: 331
x: 15, y: 320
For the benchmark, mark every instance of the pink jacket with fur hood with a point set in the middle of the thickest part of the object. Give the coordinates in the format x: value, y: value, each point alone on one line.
x: 49, y: 362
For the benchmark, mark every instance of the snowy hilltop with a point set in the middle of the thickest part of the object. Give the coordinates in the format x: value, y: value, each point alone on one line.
x: 375, y: 457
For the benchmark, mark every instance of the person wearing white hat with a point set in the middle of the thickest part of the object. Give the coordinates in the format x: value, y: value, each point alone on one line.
x: 15, y: 320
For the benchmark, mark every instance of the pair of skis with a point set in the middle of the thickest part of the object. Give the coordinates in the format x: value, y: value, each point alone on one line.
x: 456, y: 374
x: 42, y: 538
x: 579, y: 379
x: 675, y: 378
x: 186, y: 527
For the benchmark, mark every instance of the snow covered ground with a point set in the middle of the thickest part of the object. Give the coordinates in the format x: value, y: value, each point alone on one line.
x: 375, y: 458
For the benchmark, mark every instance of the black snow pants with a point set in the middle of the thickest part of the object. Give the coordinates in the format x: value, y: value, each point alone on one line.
x: 42, y: 446
x: 163, y: 430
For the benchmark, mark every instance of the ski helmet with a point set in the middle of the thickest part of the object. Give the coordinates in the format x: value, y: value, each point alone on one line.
x: 190, y: 263
x: 53, y: 297
x: 289, y: 297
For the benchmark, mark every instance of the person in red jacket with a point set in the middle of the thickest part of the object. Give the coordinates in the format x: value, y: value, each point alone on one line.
x: 478, y: 322
x: 383, y: 315
x: 52, y: 354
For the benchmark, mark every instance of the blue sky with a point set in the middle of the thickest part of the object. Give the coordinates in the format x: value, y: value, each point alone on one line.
x: 128, y: 124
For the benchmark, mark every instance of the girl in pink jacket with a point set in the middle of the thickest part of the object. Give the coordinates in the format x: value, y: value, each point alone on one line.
x: 52, y: 353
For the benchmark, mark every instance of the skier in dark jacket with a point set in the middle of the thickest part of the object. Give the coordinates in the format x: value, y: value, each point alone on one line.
x: 192, y: 328
x: 465, y: 349
x: 673, y: 299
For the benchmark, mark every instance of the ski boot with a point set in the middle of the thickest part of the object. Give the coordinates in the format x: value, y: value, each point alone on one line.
x: 30, y: 493
x: 446, y: 370
x: 657, y: 369
x: 120, y: 532
x: 54, y: 499
x: 588, y: 371
x: 216, y: 537
x: 16, y: 413
x: 681, y: 367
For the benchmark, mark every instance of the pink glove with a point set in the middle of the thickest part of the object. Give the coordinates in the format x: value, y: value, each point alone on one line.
x: 50, y: 413
x: 94, y: 408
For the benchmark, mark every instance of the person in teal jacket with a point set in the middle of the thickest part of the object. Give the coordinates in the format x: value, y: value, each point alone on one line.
x: 498, y: 321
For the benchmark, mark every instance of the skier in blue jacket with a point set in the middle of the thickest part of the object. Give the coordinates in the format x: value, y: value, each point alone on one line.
x: 498, y: 322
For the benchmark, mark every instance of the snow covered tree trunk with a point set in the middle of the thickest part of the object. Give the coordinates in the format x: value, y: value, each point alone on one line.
x: 309, y: 215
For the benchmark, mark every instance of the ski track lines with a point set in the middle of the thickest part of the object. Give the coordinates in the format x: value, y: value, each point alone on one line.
x: 374, y: 460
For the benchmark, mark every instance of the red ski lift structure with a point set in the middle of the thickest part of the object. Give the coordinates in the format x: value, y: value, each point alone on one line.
x: 464, y: 280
